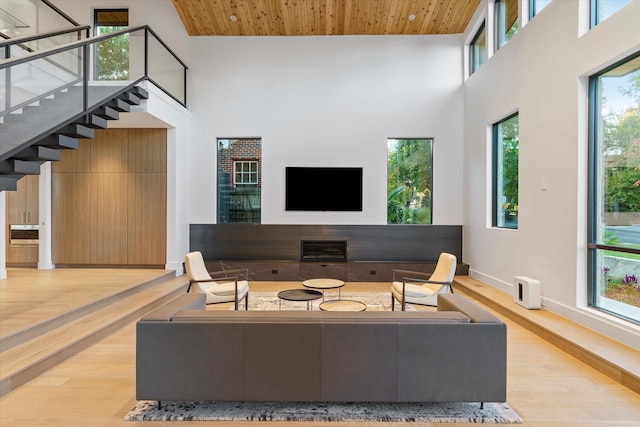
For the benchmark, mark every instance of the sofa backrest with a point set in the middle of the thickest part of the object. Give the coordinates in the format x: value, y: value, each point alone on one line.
x: 325, y: 317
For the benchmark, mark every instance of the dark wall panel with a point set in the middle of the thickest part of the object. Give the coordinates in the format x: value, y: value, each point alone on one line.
x: 413, y: 243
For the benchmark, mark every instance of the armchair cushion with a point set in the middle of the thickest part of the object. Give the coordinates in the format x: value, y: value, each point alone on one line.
x: 416, y: 291
x: 224, y: 288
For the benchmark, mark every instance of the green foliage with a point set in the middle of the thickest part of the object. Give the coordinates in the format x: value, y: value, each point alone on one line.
x: 622, y: 193
x: 409, y: 163
x: 509, y: 149
x: 510, y: 170
x: 112, y: 56
x: 621, y: 151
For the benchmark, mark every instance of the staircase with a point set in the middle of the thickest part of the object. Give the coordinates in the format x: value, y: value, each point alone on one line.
x: 27, y: 160
x: 50, y: 98
x: 27, y: 353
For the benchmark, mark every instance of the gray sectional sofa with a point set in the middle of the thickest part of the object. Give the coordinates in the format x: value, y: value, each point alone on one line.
x: 184, y: 352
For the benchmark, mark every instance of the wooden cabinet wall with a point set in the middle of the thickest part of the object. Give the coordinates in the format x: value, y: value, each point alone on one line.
x: 109, y: 200
x: 22, y: 208
x: 22, y: 204
x: 22, y: 255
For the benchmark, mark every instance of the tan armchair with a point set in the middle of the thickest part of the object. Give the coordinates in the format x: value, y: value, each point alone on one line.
x: 423, y: 288
x: 221, y: 286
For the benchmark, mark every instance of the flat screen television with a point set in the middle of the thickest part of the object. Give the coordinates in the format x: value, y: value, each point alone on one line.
x: 323, y: 189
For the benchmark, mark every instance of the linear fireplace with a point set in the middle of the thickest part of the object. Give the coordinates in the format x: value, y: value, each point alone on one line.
x: 323, y: 250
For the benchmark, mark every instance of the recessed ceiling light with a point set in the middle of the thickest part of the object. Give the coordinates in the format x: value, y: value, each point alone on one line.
x: 412, y: 17
x: 234, y: 18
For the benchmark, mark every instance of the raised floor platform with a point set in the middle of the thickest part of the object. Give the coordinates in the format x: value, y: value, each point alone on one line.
x: 618, y: 361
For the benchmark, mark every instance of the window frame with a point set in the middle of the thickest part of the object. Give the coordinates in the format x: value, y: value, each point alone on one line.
x: 594, y: 12
x: 497, y: 174
x: 500, y: 8
x: 532, y: 8
x: 472, y: 49
x: 430, y: 178
x: 596, y: 175
x: 96, y: 26
x: 240, y: 162
x: 238, y: 202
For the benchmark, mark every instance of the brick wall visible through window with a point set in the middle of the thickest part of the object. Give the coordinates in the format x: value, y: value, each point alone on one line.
x: 239, y: 181
x: 239, y: 150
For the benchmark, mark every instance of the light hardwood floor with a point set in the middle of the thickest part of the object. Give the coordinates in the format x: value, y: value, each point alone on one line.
x: 546, y: 386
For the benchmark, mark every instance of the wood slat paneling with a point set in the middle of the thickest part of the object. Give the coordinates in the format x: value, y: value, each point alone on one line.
x: 147, y: 151
x: 109, y: 200
x: 108, y: 222
x: 109, y: 150
x: 76, y: 161
x: 323, y: 17
x: 70, y: 222
x: 147, y: 218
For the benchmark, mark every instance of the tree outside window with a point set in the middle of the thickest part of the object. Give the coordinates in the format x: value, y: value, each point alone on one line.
x: 409, y: 181
x: 112, y: 55
x: 506, y: 150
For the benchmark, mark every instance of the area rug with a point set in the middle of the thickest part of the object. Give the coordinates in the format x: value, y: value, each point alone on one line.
x: 375, y: 301
x: 497, y: 413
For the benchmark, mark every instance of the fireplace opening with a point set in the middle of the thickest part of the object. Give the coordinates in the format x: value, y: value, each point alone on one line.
x: 323, y: 250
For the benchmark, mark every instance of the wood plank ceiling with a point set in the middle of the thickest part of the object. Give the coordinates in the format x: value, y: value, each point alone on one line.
x: 324, y: 17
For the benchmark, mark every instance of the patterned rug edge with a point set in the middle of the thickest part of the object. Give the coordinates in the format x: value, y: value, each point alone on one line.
x: 375, y: 301
x: 460, y: 412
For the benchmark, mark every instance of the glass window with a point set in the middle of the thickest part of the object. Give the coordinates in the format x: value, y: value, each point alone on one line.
x: 239, y: 182
x: 478, y: 50
x: 602, y: 9
x: 112, y: 55
x: 506, y: 21
x: 409, y: 181
x: 245, y: 172
x: 614, y: 193
x: 535, y: 6
x: 505, y: 173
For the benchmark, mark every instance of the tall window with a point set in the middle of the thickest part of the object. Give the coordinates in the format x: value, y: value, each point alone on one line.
x: 478, y: 50
x: 239, y: 181
x: 535, y: 6
x: 614, y: 194
x: 506, y: 21
x: 602, y: 9
x: 409, y: 181
x: 112, y: 55
x: 505, y: 173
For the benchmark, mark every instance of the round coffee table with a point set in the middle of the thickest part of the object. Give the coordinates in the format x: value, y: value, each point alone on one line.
x: 307, y: 295
x: 343, y: 305
x: 323, y: 284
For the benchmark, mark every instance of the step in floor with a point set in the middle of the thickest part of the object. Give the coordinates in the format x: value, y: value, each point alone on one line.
x: 48, y: 343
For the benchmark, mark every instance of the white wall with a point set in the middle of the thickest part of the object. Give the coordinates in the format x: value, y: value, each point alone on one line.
x: 324, y: 101
x: 542, y: 73
x: 327, y: 101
